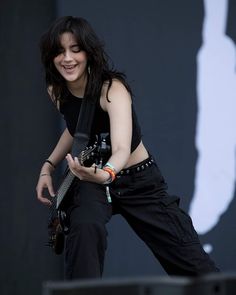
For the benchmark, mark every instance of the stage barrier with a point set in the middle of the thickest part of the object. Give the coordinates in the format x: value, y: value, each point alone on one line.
x: 214, y: 284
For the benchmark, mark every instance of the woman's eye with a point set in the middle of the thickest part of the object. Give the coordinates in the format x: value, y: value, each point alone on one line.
x: 75, y: 48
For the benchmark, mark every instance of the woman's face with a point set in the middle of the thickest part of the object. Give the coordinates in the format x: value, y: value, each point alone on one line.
x: 71, y: 62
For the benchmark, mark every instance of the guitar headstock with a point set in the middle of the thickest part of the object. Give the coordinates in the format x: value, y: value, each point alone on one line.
x: 88, y: 153
x: 97, y: 153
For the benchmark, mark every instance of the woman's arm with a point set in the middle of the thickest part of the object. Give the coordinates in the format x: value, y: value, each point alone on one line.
x: 62, y: 148
x: 120, y: 114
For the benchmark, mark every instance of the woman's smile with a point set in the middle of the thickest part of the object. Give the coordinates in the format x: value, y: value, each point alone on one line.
x: 71, y: 62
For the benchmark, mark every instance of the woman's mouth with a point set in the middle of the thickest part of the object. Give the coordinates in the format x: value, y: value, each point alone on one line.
x: 69, y: 68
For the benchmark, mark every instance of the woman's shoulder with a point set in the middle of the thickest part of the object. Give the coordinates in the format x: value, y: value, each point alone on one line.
x: 113, y: 89
x: 51, y: 95
x: 115, y: 85
x: 115, y: 92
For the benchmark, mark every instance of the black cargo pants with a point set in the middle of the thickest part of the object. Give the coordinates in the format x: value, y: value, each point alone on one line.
x: 139, y: 195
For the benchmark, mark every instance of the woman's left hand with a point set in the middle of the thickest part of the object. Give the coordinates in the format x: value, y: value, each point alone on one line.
x: 92, y: 173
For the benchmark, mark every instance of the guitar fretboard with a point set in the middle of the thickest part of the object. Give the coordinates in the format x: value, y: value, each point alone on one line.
x: 64, y: 187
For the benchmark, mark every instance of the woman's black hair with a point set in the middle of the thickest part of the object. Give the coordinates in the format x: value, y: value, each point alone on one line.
x: 98, y: 60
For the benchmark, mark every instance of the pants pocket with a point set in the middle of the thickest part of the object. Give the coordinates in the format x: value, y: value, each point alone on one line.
x: 179, y: 221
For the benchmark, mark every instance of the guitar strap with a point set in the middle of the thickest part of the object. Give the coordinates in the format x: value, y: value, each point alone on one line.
x: 83, y: 127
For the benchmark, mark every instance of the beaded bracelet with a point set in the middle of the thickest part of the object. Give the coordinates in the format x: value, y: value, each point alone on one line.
x: 49, y: 162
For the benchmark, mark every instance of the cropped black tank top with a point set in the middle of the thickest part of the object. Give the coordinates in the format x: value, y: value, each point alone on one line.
x: 101, y: 124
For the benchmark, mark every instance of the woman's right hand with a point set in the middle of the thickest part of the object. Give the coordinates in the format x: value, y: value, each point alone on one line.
x: 45, y: 183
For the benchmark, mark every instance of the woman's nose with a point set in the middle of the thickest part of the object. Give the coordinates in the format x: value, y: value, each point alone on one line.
x: 67, y: 55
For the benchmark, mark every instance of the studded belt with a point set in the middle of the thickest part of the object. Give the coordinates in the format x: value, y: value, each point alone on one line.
x: 137, y: 167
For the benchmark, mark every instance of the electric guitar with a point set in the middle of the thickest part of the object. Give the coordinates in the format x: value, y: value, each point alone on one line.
x: 57, y: 227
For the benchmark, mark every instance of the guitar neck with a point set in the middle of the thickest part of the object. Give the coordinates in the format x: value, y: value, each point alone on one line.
x: 64, y: 187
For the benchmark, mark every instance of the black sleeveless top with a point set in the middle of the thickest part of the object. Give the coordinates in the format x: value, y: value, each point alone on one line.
x: 101, y: 124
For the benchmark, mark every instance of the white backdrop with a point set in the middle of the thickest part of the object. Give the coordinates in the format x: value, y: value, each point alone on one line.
x: 216, y: 120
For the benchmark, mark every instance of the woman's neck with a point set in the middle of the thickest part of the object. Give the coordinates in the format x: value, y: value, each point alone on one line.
x: 77, y: 88
x: 77, y: 92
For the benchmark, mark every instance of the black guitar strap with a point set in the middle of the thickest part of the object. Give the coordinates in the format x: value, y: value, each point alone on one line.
x: 83, y: 127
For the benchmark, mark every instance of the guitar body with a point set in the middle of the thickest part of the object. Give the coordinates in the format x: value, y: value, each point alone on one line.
x: 98, y: 153
x: 56, y: 235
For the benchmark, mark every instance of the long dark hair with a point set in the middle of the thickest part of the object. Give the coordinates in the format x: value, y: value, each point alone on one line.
x: 100, y: 66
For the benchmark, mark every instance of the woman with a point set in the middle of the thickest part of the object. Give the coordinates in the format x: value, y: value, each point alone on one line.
x: 130, y: 182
